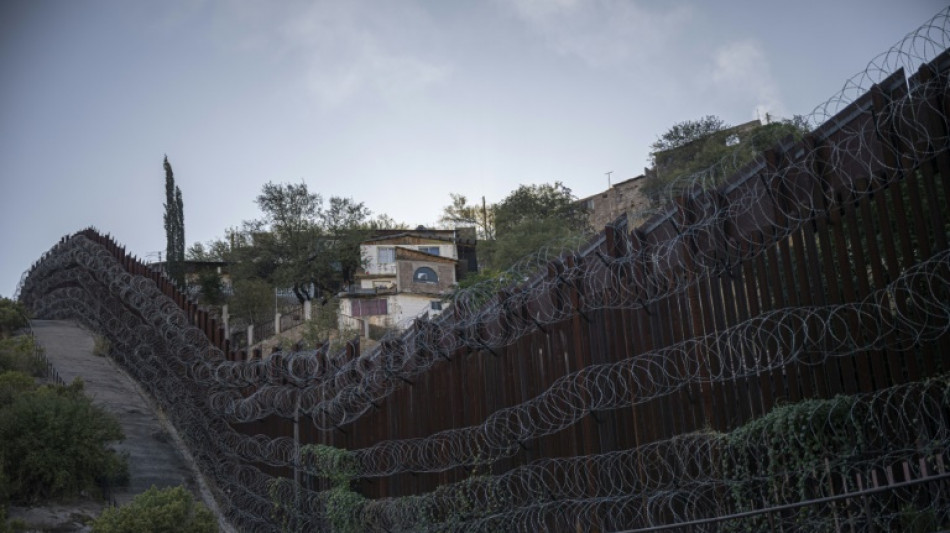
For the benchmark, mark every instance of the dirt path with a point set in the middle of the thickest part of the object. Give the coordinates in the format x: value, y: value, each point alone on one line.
x: 153, y: 456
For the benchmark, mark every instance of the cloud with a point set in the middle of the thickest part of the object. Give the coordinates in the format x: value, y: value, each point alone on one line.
x: 342, y: 49
x: 741, y: 72
x: 603, y: 33
x: 349, y: 51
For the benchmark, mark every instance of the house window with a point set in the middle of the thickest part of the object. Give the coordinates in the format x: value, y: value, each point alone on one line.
x: 361, y: 307
x: 435, y: 305
x: 432, y: 250
x: 386, y: 255
x: 425, y: 275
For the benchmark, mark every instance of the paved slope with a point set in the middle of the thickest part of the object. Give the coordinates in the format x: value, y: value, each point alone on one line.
x: 153, y: 458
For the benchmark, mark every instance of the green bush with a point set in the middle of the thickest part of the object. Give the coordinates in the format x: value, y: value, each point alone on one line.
x: 10, y: 526
x: 101, y: 346
x: 14, y: 384
x: 13, y: 316
x: 155, y: 511
x: 319, y: 329
x: 52, y: 444
x: 19, y: 354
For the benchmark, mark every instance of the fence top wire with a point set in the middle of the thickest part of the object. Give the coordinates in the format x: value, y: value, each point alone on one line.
x: 719, y: 224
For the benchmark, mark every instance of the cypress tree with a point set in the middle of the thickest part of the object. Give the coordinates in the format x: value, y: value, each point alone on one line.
x: 174, y: 229
x: 180, y: 236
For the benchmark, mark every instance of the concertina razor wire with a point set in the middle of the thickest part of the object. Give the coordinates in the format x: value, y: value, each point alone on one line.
x: 203, y: 392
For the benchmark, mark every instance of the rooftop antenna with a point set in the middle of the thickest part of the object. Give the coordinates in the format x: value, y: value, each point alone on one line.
x: 608, y: 177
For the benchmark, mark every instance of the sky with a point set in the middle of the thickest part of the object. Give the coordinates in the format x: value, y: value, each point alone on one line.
x: 395, y: 104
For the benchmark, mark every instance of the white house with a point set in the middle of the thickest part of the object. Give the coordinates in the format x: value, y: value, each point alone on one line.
x: 407, y: 274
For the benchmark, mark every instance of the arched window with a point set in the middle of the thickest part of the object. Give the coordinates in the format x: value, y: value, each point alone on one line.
x: 425, y: 275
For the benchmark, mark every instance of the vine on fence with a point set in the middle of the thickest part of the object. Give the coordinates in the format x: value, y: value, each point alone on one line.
x: 796, y: 451
x: 660, y: 482
x: 343, y: 504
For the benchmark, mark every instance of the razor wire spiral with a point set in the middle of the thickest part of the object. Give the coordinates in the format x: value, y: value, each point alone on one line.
x: 202, y: 391
x: 688, y: 477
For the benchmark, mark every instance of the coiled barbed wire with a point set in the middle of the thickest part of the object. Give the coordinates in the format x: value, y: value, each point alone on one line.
x: 880, y: 138
x: 807, y: 335
x: 352, y: 387
x: 700, y: 475
x: 776, y: 199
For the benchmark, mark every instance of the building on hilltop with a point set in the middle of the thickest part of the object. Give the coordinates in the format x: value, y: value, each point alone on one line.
x: 677, y: 158
x: 623, y: 197
x: 406, y: 274
x: 637, y: 197
x: 193, y: 271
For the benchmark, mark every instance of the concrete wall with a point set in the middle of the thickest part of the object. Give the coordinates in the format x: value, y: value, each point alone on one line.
x: 624, y: 197
x: 403, y: 308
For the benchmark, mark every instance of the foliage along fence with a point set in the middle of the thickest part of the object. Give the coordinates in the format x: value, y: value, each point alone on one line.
x: 640, y: 382
x: 812, y: 226
x: 749, y: 296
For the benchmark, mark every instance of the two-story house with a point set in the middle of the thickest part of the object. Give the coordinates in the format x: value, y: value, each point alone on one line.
x: 407, y: 273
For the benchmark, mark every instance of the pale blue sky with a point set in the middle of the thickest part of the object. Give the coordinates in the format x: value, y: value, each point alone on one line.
x: 393, y: 103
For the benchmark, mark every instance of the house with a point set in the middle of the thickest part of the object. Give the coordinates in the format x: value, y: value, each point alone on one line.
x: 624, y: 197
x: 406, y: 274
x: 193, y: 271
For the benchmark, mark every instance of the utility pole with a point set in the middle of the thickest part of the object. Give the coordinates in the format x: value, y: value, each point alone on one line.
x: 484, y: 218
x: 610, y: 196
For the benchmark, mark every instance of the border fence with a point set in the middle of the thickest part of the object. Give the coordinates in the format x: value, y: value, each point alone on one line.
x: 768, y: 353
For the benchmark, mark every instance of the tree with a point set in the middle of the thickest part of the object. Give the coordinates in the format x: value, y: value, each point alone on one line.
x: 210, y: 288
x: 174, y: 229
x: 384, y: 221
x: 707, y: 151
x: 530, y: 218
x: 213, y: 250
x: 18, y: 353
x: 300, y: 245
x: 338, y: 255
x: 196, y: 252
x: 317, y: 330
x: 462, y: 214
x: 253, y: 300
x: 683, y: 133
x: 277, y: 248
x: 541, y: 202
x: 13, y: 316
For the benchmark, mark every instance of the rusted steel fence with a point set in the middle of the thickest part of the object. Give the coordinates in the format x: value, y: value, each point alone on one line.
x: 876, y: 223
x: 819, y: 270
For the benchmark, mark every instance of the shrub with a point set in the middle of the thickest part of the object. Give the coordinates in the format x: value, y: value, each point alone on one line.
x: 101, y: 346
x: 13, y: 316
x: 53, y: 444
x: 19, y: 354
x: 319, y: 329
x: 156, y: 510
x: 11, y: 526
x: 14, y: 384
